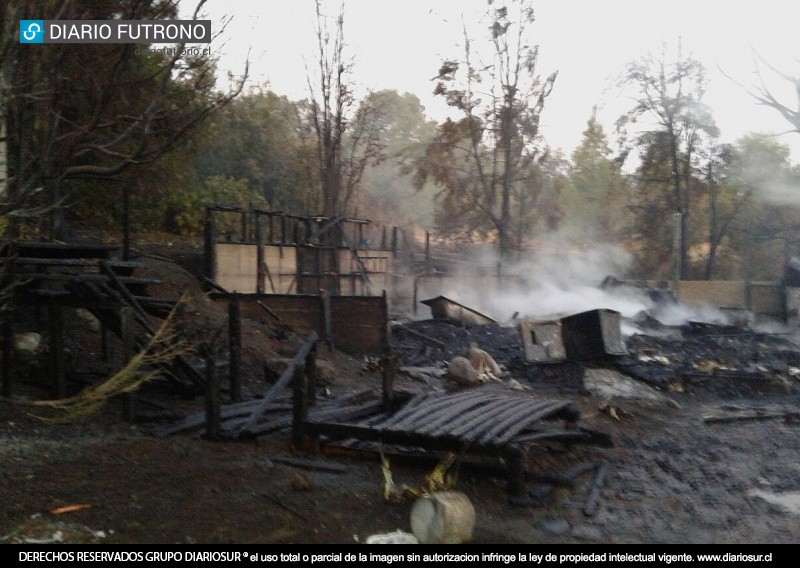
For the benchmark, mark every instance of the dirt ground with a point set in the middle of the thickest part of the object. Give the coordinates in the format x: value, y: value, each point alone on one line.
x: 672, y: 476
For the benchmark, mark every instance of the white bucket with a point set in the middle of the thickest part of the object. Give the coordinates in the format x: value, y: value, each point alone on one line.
x: 447, y: 517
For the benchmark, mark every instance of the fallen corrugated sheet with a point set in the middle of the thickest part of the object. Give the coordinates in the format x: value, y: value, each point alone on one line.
x: 489, y: 420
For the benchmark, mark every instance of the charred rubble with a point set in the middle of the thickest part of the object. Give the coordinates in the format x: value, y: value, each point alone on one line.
x: 696, y: 357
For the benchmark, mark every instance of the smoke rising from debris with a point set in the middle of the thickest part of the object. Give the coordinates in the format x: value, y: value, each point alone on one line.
x: 555, y: 281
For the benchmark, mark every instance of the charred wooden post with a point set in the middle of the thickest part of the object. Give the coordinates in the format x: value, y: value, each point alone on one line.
x: 55, y: 331
x: 8, y: 354
x: 385, y: 334
x: 325, y: 317
x: 213, y: 422
x: 311, y: 375
x: 208, y: 243
x: 383, y: 238
x: 295, y: 235
x: 271, y: 235
x: 427, y: 252
x: 390, y: 365
x: 244, y: 225
x: 394, y: 240
x: 260, y: 265
x: 515, y: 462
x: 414, y: 295
x: 128, y: 335
x: 235, y: 348
x: 300, y: 405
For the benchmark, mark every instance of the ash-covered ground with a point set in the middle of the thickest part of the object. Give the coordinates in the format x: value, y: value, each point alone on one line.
x: 704, y: 421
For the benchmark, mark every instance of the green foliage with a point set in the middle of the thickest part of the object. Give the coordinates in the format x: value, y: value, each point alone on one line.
x: 597, y: 196
x: 87, y: 118
x: 389, y: 193
x: 255, y: 139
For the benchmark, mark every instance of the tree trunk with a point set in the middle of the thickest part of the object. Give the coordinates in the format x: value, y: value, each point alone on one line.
x: 678, y: 197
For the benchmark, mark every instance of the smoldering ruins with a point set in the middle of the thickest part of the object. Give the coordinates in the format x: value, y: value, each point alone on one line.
x: 234, y: 315
x: 553, y: 404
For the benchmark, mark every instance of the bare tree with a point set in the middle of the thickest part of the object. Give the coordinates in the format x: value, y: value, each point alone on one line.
x: 764, y: 96
x: 486, y: 162
x: 669, y: 93
x: 91, y: 112
x: 346, y: 135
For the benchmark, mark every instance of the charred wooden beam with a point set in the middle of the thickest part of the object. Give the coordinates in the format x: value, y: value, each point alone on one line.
x: 325, y: 317
x: 212, y: 404
x: 131, y: 300
x: 390, y: 366
x: 419, y: 335
x: 280, y: 384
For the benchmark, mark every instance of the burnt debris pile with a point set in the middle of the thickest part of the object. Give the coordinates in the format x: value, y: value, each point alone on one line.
x: 715, y: 359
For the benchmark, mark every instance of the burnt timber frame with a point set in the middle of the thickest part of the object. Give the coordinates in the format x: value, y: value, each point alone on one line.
x: 316, y: 235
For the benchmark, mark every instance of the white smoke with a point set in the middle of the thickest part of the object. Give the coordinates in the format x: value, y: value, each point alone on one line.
x: 556, y: 281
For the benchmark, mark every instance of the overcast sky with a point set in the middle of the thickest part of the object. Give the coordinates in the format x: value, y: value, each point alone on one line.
x: 400, y: 44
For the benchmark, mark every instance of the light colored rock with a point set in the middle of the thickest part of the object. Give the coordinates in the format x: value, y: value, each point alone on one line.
x: 461, y: 371
x: 92, y: 322
x: 27, y: 343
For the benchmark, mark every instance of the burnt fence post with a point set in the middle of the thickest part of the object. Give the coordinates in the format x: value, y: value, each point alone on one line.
x: 310, y: 369
x: 208, y: 243
x: 235, y: 348
x: 390, y: 364
x: 213, y: 422
x: 260, y: 265
x: 325, y: 317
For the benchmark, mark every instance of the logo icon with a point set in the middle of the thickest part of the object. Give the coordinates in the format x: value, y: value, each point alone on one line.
x: 31, y: 31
